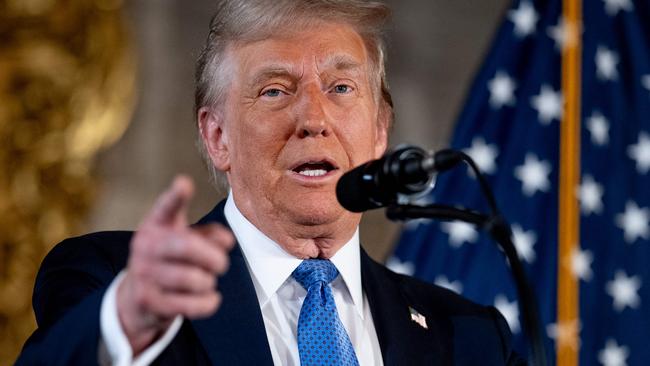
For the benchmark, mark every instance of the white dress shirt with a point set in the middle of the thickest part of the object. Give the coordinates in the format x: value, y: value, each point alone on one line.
x: 280, y: 298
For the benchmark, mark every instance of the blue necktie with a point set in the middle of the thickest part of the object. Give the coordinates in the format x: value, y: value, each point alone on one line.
x: 322, y: 339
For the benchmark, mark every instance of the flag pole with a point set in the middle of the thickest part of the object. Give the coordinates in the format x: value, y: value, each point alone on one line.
x: 568, y: 324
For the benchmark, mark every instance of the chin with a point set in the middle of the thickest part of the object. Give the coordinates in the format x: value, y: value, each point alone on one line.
x: 313, y: 208
x: 316, y: 213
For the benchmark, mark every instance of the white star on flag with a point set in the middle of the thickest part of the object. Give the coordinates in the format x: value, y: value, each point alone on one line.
x: 548, y: 104
x: 624, y: 291
x: 459, y: 232
x: 484, y: 155
x: 502, y: 90
x: 534, y: 175
x: 564, y: 33
x: 613, y: 354
x: 645, y: 81
x: 396, y: 265
x: 612, y: 7
x: 510, y: 125
x: 524, y: 19
x: 565, y: 334
x: 598, y: 127
x: 590, y: 194
x: 581, y: 264
x: 641, y: 153
x: 455, y: 286
x: 606, y: 61
x: 524, y: 242
x: 509, y: 310
x: 634, y: 222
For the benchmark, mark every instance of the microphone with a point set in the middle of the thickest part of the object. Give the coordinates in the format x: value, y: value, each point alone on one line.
x: 410, y: 169
x: 404, y: 171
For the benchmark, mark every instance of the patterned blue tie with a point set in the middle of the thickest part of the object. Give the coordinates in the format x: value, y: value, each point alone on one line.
x: 322, y: 339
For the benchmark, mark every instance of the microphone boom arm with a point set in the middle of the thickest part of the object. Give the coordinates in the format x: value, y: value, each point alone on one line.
x: 500, y: 231
x: 439, y: 212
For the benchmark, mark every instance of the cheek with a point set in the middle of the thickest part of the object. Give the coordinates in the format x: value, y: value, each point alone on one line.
x: 262, y: 137
x: 358, y: 135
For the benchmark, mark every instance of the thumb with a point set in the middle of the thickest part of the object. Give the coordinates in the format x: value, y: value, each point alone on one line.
x: 171, y: 205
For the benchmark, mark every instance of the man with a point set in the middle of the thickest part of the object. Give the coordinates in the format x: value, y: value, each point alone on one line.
x: 290, y: 95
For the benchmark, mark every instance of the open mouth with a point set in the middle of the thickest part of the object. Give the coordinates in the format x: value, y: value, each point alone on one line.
x: 314, y: 168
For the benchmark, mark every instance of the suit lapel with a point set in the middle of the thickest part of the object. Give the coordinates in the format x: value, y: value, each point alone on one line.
x: 402, y: 340
x: 235, y: 334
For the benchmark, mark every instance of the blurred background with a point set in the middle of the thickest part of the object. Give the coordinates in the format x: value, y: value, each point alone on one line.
x: 96, y: 117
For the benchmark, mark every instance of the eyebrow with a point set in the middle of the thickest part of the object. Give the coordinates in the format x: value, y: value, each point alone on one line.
x: 270, y: 72
x: 339, y: 62
x: 342, y: 62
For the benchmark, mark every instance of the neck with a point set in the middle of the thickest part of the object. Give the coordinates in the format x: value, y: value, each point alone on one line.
x: 302, y: 238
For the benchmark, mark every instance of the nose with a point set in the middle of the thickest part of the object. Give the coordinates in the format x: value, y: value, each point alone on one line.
x: 312, y: 116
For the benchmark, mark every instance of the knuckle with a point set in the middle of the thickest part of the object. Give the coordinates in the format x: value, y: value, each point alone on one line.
x: 212, y: 282
x: 226, y: 264
x: 142, y: 299
x: 210, y: 307
x: 203, y: 284
x: 180, y: 246
x: 185, y: 307
x: 224, y: 236
x: 174, y: 276
x: 219, y: 235
x: 207, y: 305
x: 212, y: 263
x: 229, y: 238
x: 221, y: 263
x: 194, y: 279
x: 189, y: 278
x: 200, y: 306
x: 217, y: 299
x: 203, y: 281
x: 175, y: 307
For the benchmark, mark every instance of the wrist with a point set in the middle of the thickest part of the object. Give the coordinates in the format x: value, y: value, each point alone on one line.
x: 140, y: 327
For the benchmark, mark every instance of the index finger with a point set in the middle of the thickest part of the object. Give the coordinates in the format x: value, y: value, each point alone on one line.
x: 171, y: 205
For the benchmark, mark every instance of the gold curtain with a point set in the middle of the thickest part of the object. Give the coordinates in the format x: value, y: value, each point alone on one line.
x: 67, y: 82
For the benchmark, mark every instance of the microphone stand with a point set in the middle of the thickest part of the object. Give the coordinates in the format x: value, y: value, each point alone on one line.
x: 500, y: 231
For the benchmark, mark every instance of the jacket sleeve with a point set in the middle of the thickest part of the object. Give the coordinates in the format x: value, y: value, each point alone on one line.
x: 67, y: 298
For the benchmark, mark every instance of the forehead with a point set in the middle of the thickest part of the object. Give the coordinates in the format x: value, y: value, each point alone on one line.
x: 325, y: 46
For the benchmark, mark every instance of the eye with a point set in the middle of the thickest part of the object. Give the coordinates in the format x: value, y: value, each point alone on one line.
x: 272, y: 93
x: 342, y: 89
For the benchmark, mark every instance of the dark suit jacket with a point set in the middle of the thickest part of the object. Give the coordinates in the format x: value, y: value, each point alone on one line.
x: 75, y: 274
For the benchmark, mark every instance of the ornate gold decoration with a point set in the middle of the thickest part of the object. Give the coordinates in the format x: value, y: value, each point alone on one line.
x: 67, y: 81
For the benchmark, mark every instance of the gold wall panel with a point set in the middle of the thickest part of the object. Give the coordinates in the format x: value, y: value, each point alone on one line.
x: 67, y: 86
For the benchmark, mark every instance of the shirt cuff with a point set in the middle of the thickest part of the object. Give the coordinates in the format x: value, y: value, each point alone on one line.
x: 118, y: 349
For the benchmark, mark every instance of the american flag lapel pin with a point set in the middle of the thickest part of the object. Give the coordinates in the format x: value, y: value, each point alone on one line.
x: 418, y: 318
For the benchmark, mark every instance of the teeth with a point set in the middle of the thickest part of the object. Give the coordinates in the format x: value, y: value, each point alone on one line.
x: 313, y: 173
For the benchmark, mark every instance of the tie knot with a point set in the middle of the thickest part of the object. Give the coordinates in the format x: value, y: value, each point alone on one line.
x: 312, y: 271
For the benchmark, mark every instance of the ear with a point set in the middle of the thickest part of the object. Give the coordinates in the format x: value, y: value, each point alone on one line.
x: 211, y: 128
x: 384, y: 121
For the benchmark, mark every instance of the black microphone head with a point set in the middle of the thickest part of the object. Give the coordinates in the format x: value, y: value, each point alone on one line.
x: 351, y: 191
x: 378, y: 183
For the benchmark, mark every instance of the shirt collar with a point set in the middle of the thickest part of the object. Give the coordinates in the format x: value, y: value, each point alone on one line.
x: 270, y: 265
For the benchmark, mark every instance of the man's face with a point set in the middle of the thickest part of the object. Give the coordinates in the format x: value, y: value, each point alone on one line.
x: 299, y: 112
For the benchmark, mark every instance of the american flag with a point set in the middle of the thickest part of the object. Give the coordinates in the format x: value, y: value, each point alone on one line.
x: 511, y: 125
